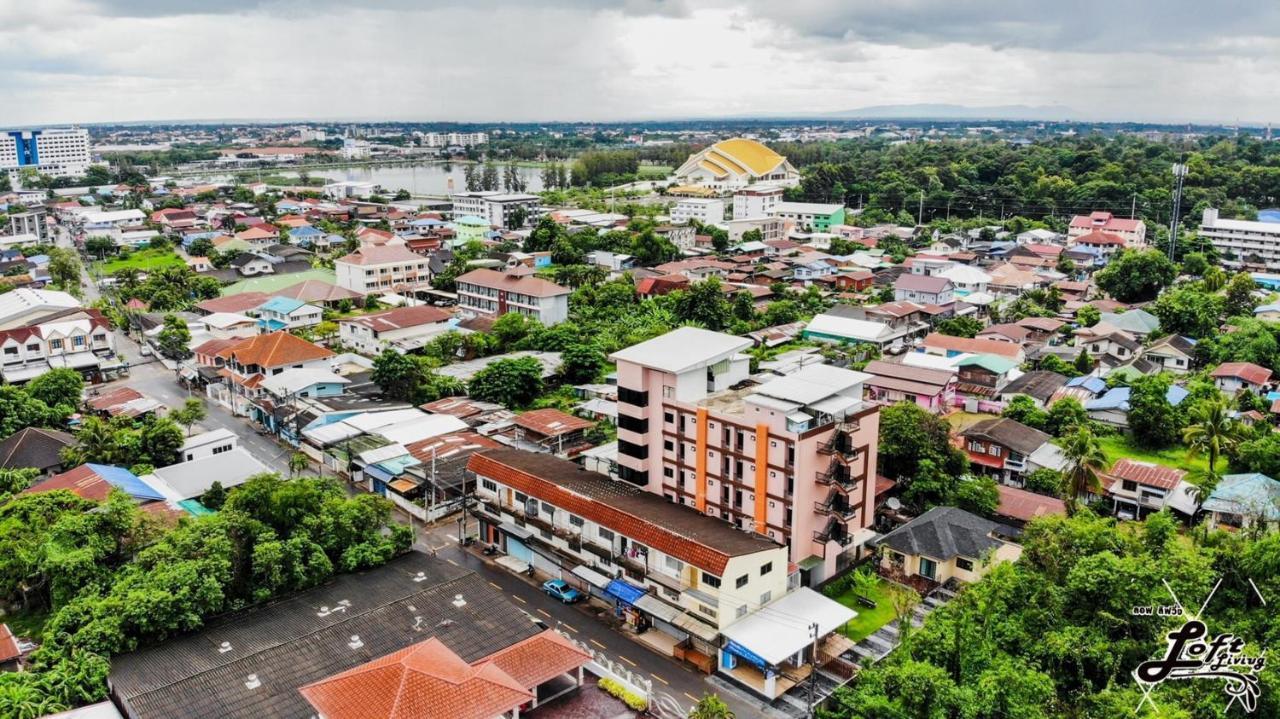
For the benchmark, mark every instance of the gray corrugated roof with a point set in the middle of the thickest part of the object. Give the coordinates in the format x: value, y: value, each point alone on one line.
x: 946, y: 532
x: 288, y: 644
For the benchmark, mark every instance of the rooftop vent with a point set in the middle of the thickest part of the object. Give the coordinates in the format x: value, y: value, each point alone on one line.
x: 224, y: 647
x: 252, y: 682
x: 458, y: 601
x: 355, y: 642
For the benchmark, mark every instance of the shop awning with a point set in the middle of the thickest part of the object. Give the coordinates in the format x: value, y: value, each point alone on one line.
x: 24, y: 373
x: 657, y: 608
x: 590, y: 576
x: 624, y: 592
x: 783, y: 630
x: 696, y: 628
x: 517, y: 532
x: 75, y: 360
x: 378, y: 473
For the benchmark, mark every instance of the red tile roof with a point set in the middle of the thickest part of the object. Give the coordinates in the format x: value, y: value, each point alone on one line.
x: 1024, y: 505
x: 382, y: 255
x: 1105, y: 220
x: 1151, y: 475
x: 401, y: 317
x: 274, y: 349
x: 423, y: 681
x: 525, y: 285
x: 972, y: 346
x: 9, y: 645
x: 551, y: 422
x: 236, y: 303
x: 1246, y: 371
x: 83, y: 481
x: 1098, y: 238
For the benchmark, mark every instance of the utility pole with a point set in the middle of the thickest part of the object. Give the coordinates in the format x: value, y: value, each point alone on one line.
x: 813, y: 675
x: 920, y: 212
x: 1133, y: 207
x: 1179, y: 173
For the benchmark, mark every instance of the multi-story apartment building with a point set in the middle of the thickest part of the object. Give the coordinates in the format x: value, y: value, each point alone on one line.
x: 494, y: 293
x: 454, y: 139
x: 688, y: 573
x: 57, y: 152
x: 41, y: 330
x: 1132, y: 231
x: 755, y: 202
x: 817, y: 216
x: 792, y: 458
x: 33, y: 221
x: 508, y: 210
x: 1242, y: 243
x: 704, y: 210
x: 378, y: 269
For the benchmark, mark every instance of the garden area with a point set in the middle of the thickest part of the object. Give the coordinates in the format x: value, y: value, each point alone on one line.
x: 1118, y: 446
x: 850, y: 591
x: 147, y: 260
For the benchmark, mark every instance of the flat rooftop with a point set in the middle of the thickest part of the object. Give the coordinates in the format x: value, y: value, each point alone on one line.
x: 683, y: 349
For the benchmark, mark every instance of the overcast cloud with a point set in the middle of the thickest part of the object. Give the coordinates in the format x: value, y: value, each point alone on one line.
x: 516, y: 60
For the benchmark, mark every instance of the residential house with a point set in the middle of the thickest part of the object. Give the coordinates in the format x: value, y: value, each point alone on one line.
x: 207, y: 444
x: 1174, y: 353
x: 1005, y: 332
x: 1113, y: 407
x: 283, y: 313
x: 966, y: 279
x: 550, y: 430
x: 245, y: 363
x: 841, y: 329
x: 1039, y: 385
x: 948, y: 346
x: 890, y: 383
x: 492, y: 293
x: 1137, y: 489
x: 251, y: 265
x: 403, y: 328
x: 225, y: 325
x: 1232, y: 377
x: 41, y: 330
x: 792, y: 458
x: 1241, y: 501
x: 1003, y: 447
x: 259, y: 236
x: 1132, y: 232
x: 35, y: 448
x: 984, y: 375
x: 379, y: 269
x: 1020, y: 506
x: 1136, y: 322
x: 925, y: 289
x: 945, y: 544
x: 1040, y: 329
x: 1103, y: 244
x: 810, y: 216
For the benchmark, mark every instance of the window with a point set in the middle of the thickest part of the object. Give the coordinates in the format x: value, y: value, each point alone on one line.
x: 522, y: 498
x: 11, y: 351
x: 674, y: 566
x: 34, y: 347
x: 576, y: 521
x: 668, y: 445
x: 668, y: 418
x: 632, y: 424
x: 489, y: 485
x: 630, y: 449
x: 605, y: 534
x: 994, y: 450
x: 965, y: 564
x: 1130, y: 485
x: 742, y: 581
x: 707, y: 610
x: 668, y: 472
x: 741, y: 612
x: 550, y: 510
x: 55, y: 343
x: 768, y: 567
x: 764, y: 598
x: 710, y: 581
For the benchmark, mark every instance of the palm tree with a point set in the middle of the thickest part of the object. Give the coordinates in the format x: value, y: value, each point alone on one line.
x: 711, y: 706
x: 1085, y: 461
x: 1212, y: 431
x: 298, y: 463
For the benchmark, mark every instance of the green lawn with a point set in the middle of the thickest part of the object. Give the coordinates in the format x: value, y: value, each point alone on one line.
x: 1119, y: 447
x: 143, y: 261
x: 868, y: 620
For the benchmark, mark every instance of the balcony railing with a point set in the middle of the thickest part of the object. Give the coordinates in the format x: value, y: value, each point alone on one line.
x: 835, y: 505
x: 841, y: 441
x: 837, y: 474
x: 834, y: 531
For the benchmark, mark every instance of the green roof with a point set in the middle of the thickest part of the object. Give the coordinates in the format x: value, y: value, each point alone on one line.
x: 991, y: 363
x: 275, y: 283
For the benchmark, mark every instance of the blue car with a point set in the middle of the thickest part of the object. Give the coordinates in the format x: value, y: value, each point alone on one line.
x: 561, y: 590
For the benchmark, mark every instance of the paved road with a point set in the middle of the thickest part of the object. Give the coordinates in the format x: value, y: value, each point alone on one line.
x: 680, y: 683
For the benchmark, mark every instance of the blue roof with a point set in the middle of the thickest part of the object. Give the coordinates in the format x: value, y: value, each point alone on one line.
x: 1088, y: 382
x: 271, y: 325
x: 283, y: 305
x: 628, y: 593
x: 305, y: 231
x: 427, y: 222
x: 1118, y: 398
x: 126, y: 481
x: 471, y: 220
x: 1246, y: 494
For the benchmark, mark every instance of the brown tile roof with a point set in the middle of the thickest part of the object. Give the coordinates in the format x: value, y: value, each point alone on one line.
x: 972, y: 346
x: 382, y: 255
x: 684, y: 533
x: 1100, y: 238
x: 236, y: 303
x: 317, y: 291
x: 274, y: 349
x: 1025, y: 506
x: 34, y: 447
x: 423, y: 681
x: 551, y: 422
x: 1007, y: 433
x: 900, y: 377
x: 1246, y: 371
x: 211, y: 348
x: 1152, y: 475
x: 525, y: 285
x: 401, y: 317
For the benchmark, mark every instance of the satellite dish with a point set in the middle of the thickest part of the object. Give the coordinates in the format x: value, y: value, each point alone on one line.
x: 893, y: 503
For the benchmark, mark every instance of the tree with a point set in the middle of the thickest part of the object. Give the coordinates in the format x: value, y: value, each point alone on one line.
x: 711, y: 706
x: 214, y: 497
x: 909, y: 434
x: 298, y: 463
x: 1187, y: 310
x: 19, y: 410
x: 1045, y: 481
x: 160, y: 440
x: 60, y: 386
x: 64, y: 268
x: 1212, y: 431
x: 1240, y: 300
x: 703, y: 303
x: 174, y: 338
x: 1137, y: 275
x: 581, y: 362
x: 191, y: 412
x: 1153, y: 422
x: 1194, y: 263
x: 650, y: 248
x: 510, y: 382
x: 13, y: 481
x: 1085, y: 462
x: 1023, y: 409
x: 1258, y: 455
x: 396, y: 374
x: 1083, y: 364
x: 1088, y: 316
x: 99, y: 246
x: 1065, y: 416
x: 959, y: 327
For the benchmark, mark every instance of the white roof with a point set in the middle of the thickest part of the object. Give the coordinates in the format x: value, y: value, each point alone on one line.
x: 295, y: 380
x: 21, y: 301
x: 192, y: 479
x: 807, y: 208
x: 214, y: 435
x: 932, y: 361
x: 865, y: 330
x: 965, y: 274
x: 683, y: 349
x: 780, y: 629
x: 382, y: 454
x: 94, y: 218
x: 223, y: 320
x: 979, y: 298
x: 359, y: 424
x: 425, y: 427
x: 812, y: 383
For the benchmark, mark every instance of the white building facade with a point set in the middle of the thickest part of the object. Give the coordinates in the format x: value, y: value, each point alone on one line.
x: 56, y: 152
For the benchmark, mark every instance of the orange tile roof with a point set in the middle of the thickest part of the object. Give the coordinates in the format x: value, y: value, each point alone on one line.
x: 551, y: 422
x: 972, y: 346
x: 9, y: 646
x: 274, y: 349
x: 539, y: 658
x: 423, y: 681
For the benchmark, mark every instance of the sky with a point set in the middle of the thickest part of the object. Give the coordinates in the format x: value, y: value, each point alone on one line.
x: 86, y: 61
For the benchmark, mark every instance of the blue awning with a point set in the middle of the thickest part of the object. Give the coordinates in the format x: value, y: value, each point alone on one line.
x: 378, y: 473
x: 745, y: 654
x: 624, y: 592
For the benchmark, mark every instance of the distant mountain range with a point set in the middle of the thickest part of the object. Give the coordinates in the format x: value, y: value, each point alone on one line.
x: 927, y: 111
